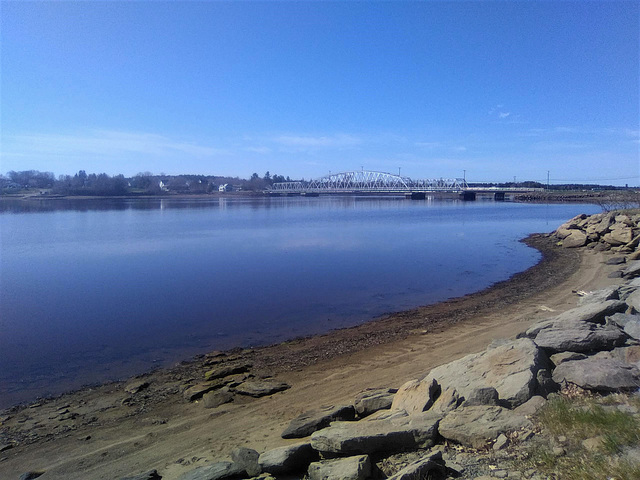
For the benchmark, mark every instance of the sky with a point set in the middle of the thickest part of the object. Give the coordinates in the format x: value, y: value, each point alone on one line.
x: 488, y: 90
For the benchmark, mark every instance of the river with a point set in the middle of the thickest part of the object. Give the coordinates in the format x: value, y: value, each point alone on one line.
x: 95, y: 290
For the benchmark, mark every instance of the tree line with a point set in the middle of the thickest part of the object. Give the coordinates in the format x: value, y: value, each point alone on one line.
x: 146, y: 183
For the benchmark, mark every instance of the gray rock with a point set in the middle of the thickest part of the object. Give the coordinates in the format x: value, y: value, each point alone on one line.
x: 416, y: 396
x: 289, y: 459
x: 501, y: 442
x: 372, y: 400
x: 531, y: 407
x: 476, y: 426
x: 350, y: 468
x: 599, y: 296
x: 308, y: 422
x: 509, y: 368
x: 247, y: 459
x: 215, y: 471
x: 447, y: 401
x: 632, y: 328
x: 197, y: 391
x: 592, y: 312
x: 579, y: 336
x: 546, y: 385
x: 621, y: 319
x: 632, y: 270
x: 633, y: 300
x: 481, y: 396
x: 31, y: 475
x: 215, y: 399
x: 599, y: 374
x: 226, y: 370
x: 430, y: 467
x: 558, y: 358
x: 150, y: 475
x: 615, y: 261
x: 261, y: 388
x: 392, y: 435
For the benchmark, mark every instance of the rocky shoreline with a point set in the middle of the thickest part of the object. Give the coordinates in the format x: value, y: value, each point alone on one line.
x: 456, y: 420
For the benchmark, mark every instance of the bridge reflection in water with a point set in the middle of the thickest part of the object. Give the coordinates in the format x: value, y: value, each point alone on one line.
x: 365, y: 181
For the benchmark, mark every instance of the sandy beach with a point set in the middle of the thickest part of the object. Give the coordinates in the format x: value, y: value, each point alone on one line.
x: 106, y: 433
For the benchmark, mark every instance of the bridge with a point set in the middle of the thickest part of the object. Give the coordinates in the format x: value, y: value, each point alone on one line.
x: 364, y: 181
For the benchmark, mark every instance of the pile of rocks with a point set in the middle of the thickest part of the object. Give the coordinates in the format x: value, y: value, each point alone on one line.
x: 604, y: 231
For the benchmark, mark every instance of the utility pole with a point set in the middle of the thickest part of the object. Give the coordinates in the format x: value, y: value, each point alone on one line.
x: 547, y: 180
x: 399, y: 170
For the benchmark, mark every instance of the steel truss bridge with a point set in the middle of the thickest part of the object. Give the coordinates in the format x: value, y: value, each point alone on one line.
x: 364, y: 181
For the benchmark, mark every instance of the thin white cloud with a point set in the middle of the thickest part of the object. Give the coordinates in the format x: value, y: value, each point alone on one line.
x: 102, y: 143
x: 307, y: 141
x: 261, y: 150
x: 503, y: 114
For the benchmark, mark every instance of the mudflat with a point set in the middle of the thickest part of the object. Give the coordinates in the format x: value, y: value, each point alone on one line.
x: 106, y: 433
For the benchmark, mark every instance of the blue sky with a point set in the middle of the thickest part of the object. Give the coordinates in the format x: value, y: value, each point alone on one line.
x: 499, y: 89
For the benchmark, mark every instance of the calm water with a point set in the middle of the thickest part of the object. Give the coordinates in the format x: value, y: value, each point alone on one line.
x: 95, y: 290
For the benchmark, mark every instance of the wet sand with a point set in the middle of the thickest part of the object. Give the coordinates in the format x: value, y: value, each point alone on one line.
x: 100, y: 436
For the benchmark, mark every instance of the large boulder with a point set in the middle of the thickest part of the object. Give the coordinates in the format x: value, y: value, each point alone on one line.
x: 416, y: 396
x: 577, y: 238
x: 599, y: 296
x: 632, y: 270
x: 510, y: 368
x: 261, y: 388
x: 350, y: 468
x: 247, y: 459
x: 478, y: 425
x: 289, y: 459
x: 591, y: 312
x: 395, y: 434
x: 599, y: 373
x: 308, y: 422
x: 579, y: 336
x: 215, y: 471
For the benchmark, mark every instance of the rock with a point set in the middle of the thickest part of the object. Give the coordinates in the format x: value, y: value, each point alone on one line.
x: 593, y: 444
x: 481, y: 396
x: 558, y: 358
x: 247, y: 459
x: 425, y: 468
x: 135, y: 386
x: 197, y: 391
x: 5, y: 446
x: 150, y: 475
x: 632, y: 269
x: 576, y: 238
x: 393, y: 435
x: 618, y: 236
x: 416, y: 396
x: 579, y: 336
x: 509, y: 368
x: 592, y: 312
x: 501, y: 442
x: 531, y: 407
x: 476, y: 426
x: 289, y: 459
x: 350, y: 468
x: 308, y: 422
x: 261, y: 388
x: 226, y: 370
x: 629, y: 355
x: 599, y: 296
x: 215, y: 399
x: 546, y: 385
x: 215, y: 471
x: 447, y: 401
x: 599, y: 374
x: 372, y: 400
x: 633, y: 300
x: 632, y: 328
x: 31, y: 475
x: 615, y: 261
x: 621, y: 319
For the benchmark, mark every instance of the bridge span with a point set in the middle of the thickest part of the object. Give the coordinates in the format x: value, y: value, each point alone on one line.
x: 365, y: 181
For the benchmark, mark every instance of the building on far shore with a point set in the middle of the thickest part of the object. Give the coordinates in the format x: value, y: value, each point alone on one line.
x: 225, y: 188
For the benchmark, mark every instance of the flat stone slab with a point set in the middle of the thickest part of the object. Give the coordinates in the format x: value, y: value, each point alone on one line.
x: 599, y: 374
x: 592, y: 312
x: 289, y: 459
x: 579, y: 336
x: 215, y: 399
x: 136, y: 386
x: 215, y: 471
x: 197, y: 391
x: 432, y: 466
x: 308, y: 422
x: 226, y: 370
x: 372, y: 400
x: 476, y: 426
x: 148, y: 475
x: 350, y: 468
x: 416, y: 396
x: 390, y: 435
x: 261, y: 388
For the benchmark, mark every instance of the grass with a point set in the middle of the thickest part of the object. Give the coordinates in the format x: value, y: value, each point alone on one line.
x: 581, y: 418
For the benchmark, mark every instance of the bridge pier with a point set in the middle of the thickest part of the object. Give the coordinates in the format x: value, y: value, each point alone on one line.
x: 499, y: 196
x: 468, y: 196
x: 416, y: 195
